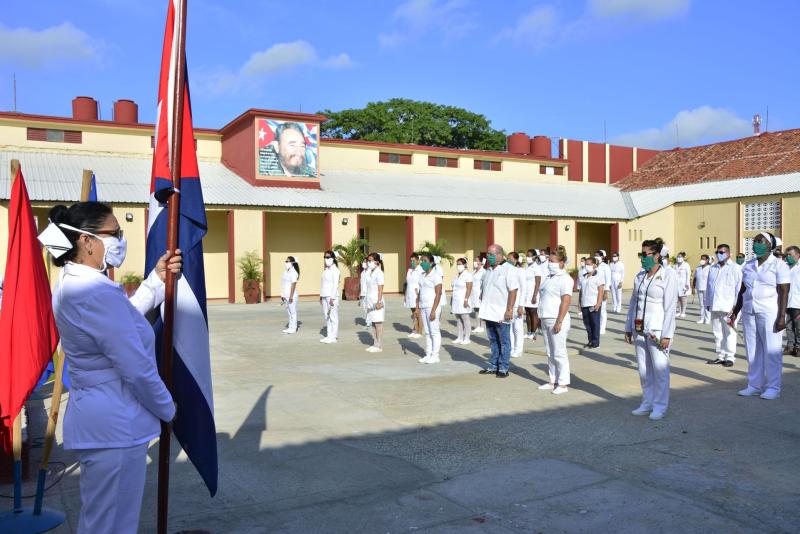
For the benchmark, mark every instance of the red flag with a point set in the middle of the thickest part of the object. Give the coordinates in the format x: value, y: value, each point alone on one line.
x: 28, y: 335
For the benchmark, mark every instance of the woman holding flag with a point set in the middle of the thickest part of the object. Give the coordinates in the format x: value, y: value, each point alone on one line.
x: 117, y: 397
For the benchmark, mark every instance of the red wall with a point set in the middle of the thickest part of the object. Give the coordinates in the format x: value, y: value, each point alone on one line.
x: 238, y: 150
x: 621, y: 162
x: 575, y: 157
x: 597, y: 163
x: 643, y: 155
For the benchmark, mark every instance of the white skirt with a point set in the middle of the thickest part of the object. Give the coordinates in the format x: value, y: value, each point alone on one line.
x: 457, y: 304
x: 376, y: 316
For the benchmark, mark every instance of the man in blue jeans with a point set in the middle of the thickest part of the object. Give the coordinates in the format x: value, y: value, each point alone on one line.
x: 500, y: 286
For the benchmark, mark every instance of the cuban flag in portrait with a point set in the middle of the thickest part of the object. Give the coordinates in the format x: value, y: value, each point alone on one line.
x: 194, y: 427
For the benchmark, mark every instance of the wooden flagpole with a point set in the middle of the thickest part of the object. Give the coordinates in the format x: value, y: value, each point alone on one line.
x: 173, y: 214
x: 16, y: 430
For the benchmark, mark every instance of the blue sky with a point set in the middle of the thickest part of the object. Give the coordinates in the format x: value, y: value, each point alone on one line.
x: 560, y: 67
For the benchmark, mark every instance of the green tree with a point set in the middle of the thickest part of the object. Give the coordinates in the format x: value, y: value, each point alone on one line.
x: 401, y: 120
x: 438, y: 249
x: 351, y: 254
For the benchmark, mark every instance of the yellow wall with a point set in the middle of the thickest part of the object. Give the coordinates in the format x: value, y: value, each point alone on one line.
x: 504, y: 232
x: 424, y: 228
x: 465, y: 238
x: 566, y: 238
x: 301, y: 235
x: 215, y: 255
x: 591, y: 237
x: 719, y: 220
x: 247, y: 237
x: 531, y: 234
x: 387, y: 235
x: 631, y: 234
x: 791, y: 220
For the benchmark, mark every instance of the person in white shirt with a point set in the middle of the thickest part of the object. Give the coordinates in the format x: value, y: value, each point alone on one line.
x: 500, y: 287
x: 684, y: 274
x: 329, y: 297
x: 555, y: 295
x: 533, y: 279
x: 605, y: 271
x: 462, y: 290
x: 617, y: 279
x: 793, y: 306
x: 428, y: 308
x: 762, y: 302
x: 591, y: 295
x: 581, y: 271
x: 289, y: 278
x: 362, y: 296
x: 722, y: 289
x: 437, y: 264
x: 411, y: 292
x: 376, y: 306
x: 117, y: 399
x: 518, y: 322
x: 650, y: 326
x: 477, y: 291
x: 700, y: 283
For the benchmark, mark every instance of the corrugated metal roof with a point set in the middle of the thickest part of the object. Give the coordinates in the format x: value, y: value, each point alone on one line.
x: 55, y: 176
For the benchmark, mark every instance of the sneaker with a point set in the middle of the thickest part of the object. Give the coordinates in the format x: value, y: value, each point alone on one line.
x: 560, y: 390
x: 327, y: 340
x: 683, y: 316
x: 457, y: 342
x: 374, y: 349
x: 547, y: 387
x: 516, y: 355
x: 656, y: 416
x: 727, y: 363
x: 718, y: 361
x: 749, y: 392
x: 287, y: 331
x: 770, y: 394
x: 479, y: 330
x: 488, y: 371
x: 642, y: 410
x: 412, y: 335
x: 433, y: 359
x: 424, y: 359
x: 466, y: 342
x: 701, y: 322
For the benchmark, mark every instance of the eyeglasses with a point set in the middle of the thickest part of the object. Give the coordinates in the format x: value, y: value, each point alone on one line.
x: 118, y: 233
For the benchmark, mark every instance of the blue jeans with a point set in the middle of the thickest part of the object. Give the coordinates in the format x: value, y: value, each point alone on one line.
x: 499, y: 335
x: 591, y: 320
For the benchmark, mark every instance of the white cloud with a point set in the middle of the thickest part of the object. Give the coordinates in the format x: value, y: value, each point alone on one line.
x: 279, y: 57
x: 341, y: 61
x: 38, y: 48
x: 452, y: 19
x: 688, y: 128
x: 538, y: 28
x: 649, y: 9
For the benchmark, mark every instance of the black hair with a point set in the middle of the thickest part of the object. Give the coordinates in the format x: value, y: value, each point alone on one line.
x: 682, y: 254
x: 792, y: 248
x: 560, y: 253
x: 414, y: 255
x: 724, y: 245
x: 88, y: 216
x: 514, y: 256
x: 376, y: 257
x: 532, y: 252
x: 600, y: 253
x: 740, y: 254
x: 655, y: 245
x: 282, y: 127
x: 705, y: 257
x: 462, y: 260
x: 294, y: 264
x: 332, y: 255
x: 591, y: 259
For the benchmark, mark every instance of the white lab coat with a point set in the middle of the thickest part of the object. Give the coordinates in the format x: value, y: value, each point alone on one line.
x: 497, y: 284
x: 477, y: 288
x: 552, y: 289
x: 605, y: 270
x: 518, y: 321
x: 794, y: 288
x: 412, y: 286
x: 289, y: 277
x: 375, y: 278
x: 532, y: 271
x: 617, y: 279
x: 459, y: 293
x: 721, y: 292
x: 329, y: 299
x: 684, y: 274
x: 427, y: 295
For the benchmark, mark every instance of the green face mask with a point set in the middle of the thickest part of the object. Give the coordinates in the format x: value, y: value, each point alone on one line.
x: 648, y: 262
x: 760, y: 248
x: 425, y: 265
x: 739, y: 261
x: 790, y: 260
x: 492, y: 259
x: 413, y: 264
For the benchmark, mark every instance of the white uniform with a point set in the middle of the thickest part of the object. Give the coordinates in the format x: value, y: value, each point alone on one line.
x: 117, y: 397
x: 684, y: 274
x: 412, y: 287
x: 532, y: 270
x: 759, y: 313
x: 518, y: 323
x: 653, y: 303
x: 477, y: 289
x: 722, y: 291
x: 427, y: 295
x: 363, y: 278
x: 375, y: 278
x: 605, y: 270
x: 329, y: 292
x: 617, y: 279
x: 289, y: 277
x: 459, y: 293
x: 554, y: 287
x: 700, y: 284
x: 443, y: 301
x: 497, y: 284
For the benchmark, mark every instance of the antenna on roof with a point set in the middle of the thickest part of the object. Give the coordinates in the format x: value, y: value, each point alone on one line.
x: 766, y: 126
x: 677, y: 137
x: 756, y: 124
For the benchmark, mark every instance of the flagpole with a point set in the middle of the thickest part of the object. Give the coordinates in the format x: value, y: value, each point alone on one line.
x: 16, y: 430
x: 173, y: 213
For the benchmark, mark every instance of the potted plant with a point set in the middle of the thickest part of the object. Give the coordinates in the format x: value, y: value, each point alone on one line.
x: 131, y: 282
x: 250, y: 267
x: 574, y: 274
x: 351, y: 255
x: 437, y: 249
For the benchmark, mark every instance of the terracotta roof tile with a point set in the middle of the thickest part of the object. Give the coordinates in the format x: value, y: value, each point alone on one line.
x: 768, y: 154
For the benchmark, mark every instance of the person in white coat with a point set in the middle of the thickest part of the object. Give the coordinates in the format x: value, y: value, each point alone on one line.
x: 518, y: 322
x: 329, y: 296
x: 762, y: 302
x: 362, y: 296
x: 376, y: 306
x: 428, y: 308
x: 617, y: 279
x: 684, y: 276
x: 650, y: 326
x: 604, y: 270
x: 533, y: 280
x: 478, y: 273
x: 555, y: 296
x: 117, y: 399
x: 500, y: 287
x: 793, y: 306
x: 462, y: 289
x: 700, y: 283
x: 722, y: 289
x: 289, y: 278
x: 412, y: 292
x: 437, y: 264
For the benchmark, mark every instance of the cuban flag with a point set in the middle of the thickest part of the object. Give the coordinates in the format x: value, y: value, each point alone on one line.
x: 194, y: 427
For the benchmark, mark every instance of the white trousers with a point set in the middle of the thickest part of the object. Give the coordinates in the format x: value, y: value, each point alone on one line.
x: 331, y: 315
x: 291, y: 310
x: 653, y: 366
x: 616, y: 296
x: 724, y: 336
x: 705, y: 315
x: 112, y: 485
x: 433, y: 334
x: 517, y: 334
x: 556, y: 347
x: 764, y: 351
x: 603, y: 317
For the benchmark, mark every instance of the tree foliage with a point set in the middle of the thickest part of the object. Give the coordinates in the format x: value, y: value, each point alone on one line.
x: 351, y: 254
x: 405, y: 121
x: 437, y: 249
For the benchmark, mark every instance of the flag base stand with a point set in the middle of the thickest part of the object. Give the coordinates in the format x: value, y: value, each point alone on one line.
x: 24, y: 521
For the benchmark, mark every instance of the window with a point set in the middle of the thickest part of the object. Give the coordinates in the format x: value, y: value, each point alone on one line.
x: 549, y: 169
x: 762, y: 216
x: 485, y: 165
x: 389, y: 157
x: 436, y: 161
x: 54, y: 136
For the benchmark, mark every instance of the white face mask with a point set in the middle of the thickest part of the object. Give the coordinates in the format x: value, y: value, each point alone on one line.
x: 722, y: 256
x: 679, y: 259
x: 583, y: 264
x: 554, y: 268
x: 530, y: 259
x: 363, y: 265
x: 328, y: 262
x: 614, y: 259
x: 371, y: 265
x: 476, y: 264
x: 542, y: 258
x: 598, y: 259
x: 702, y: 262
x: 115, y: 248
x: 590, y: 268
x: 288, y: 265
x: 460, y: 268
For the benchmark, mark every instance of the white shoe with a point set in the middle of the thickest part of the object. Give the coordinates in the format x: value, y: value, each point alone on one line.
x: 424, y: 359
x: 683, y: 316
x: 479, y: 330
x: 516, y: 355
x: 560, y: 390
x: 749, y: 392
x: 457, y: 342
x: 546, y: 387
x: 656, y: 416
x: 433, y: 359
x: 701, y: 321
x: 412, y: 335
x: 373, y: 349
x: 770, y: 394
x: 466, y: 342
x: 287, y: 331
x: 641, y: 410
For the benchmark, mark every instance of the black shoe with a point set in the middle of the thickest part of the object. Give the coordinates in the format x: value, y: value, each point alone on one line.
x: 501, y: 374
x: 715, y: 362
x: 487, y: 371
x: 727, y: 363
